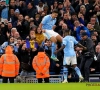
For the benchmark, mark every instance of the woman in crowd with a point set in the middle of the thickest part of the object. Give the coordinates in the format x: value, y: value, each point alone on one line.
x: 39, y: 36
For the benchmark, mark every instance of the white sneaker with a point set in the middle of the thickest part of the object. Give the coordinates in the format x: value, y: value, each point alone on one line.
x: 81, y: 79
x: 65, y: 81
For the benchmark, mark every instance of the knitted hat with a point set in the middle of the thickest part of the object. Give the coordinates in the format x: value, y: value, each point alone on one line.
x: 3, y: 0
x: 17, y: 11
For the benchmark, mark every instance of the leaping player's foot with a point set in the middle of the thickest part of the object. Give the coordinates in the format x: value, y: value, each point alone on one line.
x: 54, y: 58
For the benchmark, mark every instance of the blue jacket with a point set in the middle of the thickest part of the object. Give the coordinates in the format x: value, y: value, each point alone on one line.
x: 78, y: 29
x: 5, y: 44
x: 4, y: 13
x: 71, y: 26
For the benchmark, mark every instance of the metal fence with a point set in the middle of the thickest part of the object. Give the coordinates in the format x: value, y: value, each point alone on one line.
x: 52, y: 79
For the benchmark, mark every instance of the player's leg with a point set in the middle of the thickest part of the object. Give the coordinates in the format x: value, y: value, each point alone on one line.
x: 53, y: 36
x: 65, y: 73
x: 66, y: 62
x: 53, y: 48
x: 59, y: 38
x: 56, y: 37
x: 74, y: 64
x: 53, y: 39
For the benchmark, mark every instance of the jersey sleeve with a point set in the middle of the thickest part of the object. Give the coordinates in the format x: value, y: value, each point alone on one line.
x: 64, y: 42
x: 75, y: 41
x: 44, y: 20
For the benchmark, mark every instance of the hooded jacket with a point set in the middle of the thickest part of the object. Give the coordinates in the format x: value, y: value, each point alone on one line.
x: 9, y: 63
x: 41, y: 65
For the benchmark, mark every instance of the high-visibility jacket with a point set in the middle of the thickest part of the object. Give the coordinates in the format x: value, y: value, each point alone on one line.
x: 41, y: 64
x: 9, y: 63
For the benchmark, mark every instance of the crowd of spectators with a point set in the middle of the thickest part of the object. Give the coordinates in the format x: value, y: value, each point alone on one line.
x: 20, y: 19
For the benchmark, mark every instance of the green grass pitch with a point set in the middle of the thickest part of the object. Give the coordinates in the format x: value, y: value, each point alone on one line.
x: 51, y: 86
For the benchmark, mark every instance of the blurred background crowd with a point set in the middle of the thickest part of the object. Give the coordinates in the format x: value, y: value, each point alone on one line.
x: 20, y: 19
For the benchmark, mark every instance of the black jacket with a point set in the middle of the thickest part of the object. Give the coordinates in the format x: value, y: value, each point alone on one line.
x: 2, y: 39
x: 27, y: 57
x: 31, y: 12
x: 88, y: 43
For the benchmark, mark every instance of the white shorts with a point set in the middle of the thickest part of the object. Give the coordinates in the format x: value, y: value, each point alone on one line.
x: 50, y: 33
x: 69, y: 60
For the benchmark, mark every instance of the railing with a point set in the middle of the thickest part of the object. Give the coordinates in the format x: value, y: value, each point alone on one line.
x: 52, y: 79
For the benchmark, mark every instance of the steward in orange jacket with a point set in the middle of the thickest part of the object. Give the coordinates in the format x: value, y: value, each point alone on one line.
x: 9, y: 65
x: 41, y: 64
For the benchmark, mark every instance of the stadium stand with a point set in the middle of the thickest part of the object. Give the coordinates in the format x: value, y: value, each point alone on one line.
x: 19, y: 28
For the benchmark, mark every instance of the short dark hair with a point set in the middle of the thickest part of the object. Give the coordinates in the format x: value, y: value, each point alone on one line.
x: 93, y: 17
x: 83, y: 34
x: 47, y: 40
x: 74, y: 14
x: 89, y: 23
x: 67, y: 32
x: 55, y: 11
x: 41, y: 49
x: 19, y: 38
x: 31, y: 3
x: 93, y: 35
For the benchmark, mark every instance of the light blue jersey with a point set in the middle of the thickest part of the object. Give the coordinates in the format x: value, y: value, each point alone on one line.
x: 69, y: 42
x: 48, y: 22
x: 4, y: 13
